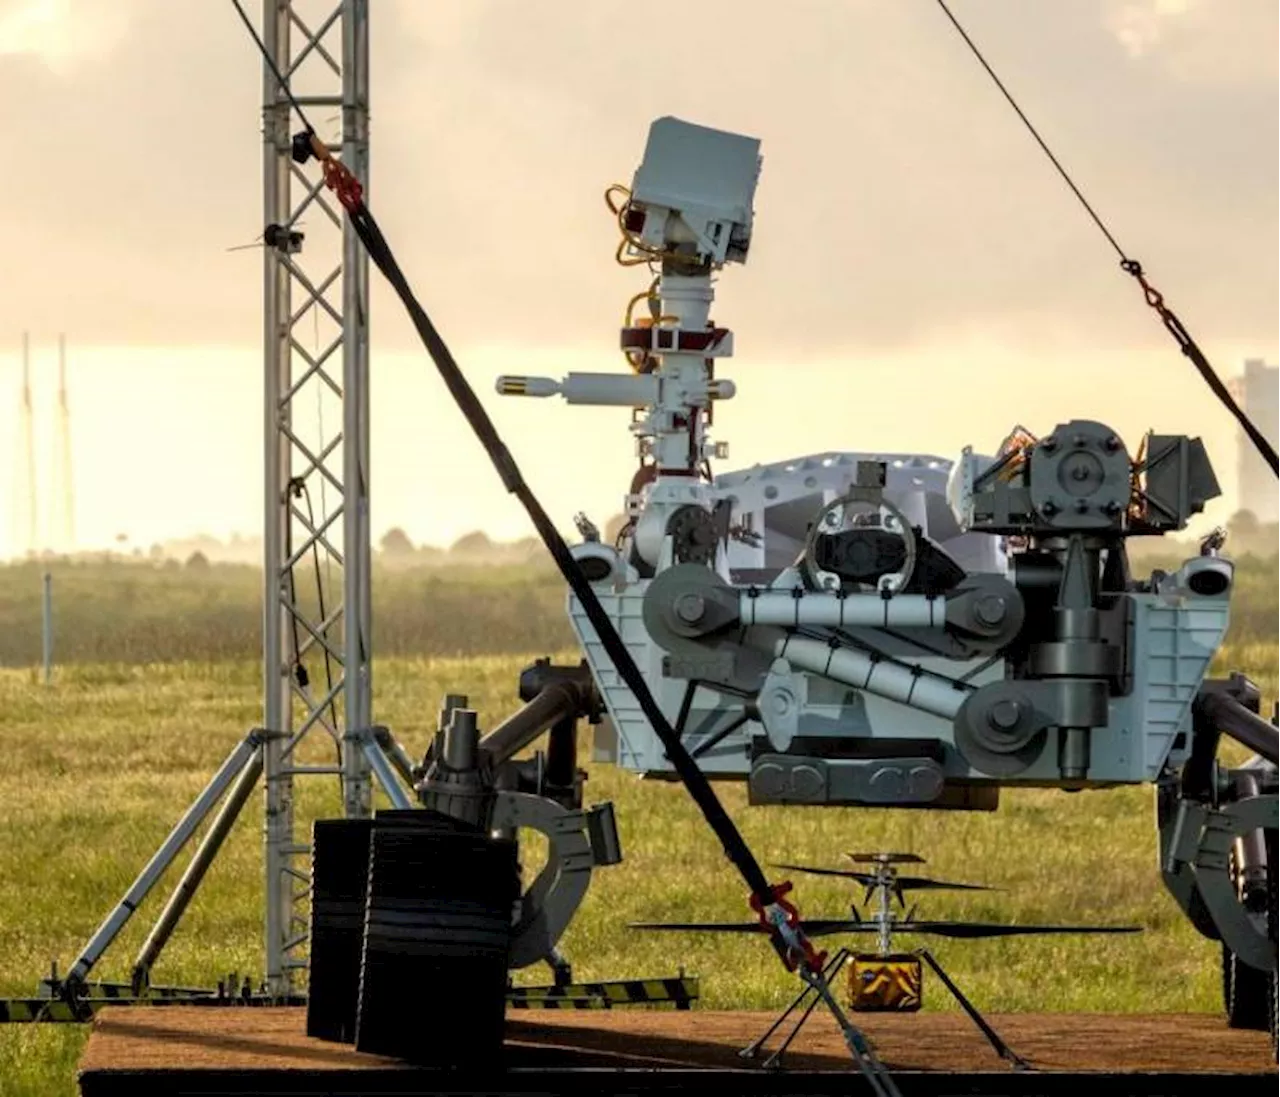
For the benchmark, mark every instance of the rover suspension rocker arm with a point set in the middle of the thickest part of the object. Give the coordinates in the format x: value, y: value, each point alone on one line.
x: 1205, y: 812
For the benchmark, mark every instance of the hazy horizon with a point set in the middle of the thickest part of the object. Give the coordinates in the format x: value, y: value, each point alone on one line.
x: 920, y: 279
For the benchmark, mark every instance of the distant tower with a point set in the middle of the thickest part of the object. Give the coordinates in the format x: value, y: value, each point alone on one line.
x: 64, y: 537
x: 1257, y: 391
x: 28, y: 460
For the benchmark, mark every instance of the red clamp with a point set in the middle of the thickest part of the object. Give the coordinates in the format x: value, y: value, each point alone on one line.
x: 337, y: 177
x: 345, y: 185
x: 813, y: 960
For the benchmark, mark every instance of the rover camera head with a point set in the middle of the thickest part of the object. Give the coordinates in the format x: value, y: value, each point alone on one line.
x: 694, y: 191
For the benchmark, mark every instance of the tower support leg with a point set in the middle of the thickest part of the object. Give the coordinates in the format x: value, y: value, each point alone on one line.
x: 155, y: 868
x: 203, y: 857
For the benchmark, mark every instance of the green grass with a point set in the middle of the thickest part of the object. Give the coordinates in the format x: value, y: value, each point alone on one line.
x: 138, y: 612
x: 99, y: 765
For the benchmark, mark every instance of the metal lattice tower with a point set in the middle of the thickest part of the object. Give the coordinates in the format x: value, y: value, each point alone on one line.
x: 316, y: 353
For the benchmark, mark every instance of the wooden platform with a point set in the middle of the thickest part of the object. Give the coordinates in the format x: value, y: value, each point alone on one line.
x: 248, y: 1051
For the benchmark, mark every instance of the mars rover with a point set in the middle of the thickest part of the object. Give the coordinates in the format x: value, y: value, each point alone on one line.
x: 893, y: 629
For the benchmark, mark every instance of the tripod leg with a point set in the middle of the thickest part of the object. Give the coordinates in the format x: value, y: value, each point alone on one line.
x: 832, y: 970
x: 200, y: 862
x: 753, y: 1049
x: 1002, y: 1049
x: 238, y: 759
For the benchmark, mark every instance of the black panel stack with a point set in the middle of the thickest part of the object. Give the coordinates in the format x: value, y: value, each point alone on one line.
x: 340, y: 882
x: 437, y: 928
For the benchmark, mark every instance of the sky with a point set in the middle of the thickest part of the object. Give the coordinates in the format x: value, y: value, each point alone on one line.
x: 919, y: 280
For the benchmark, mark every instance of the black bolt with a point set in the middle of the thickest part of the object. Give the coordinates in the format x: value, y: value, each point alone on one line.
x: 1112, y: 508
x: 1080, y: 441
x: 1049, y: 508
x: 1111, y: 444
x: 1082, y: 505
x: 1005, y: 715
x: 300, y: 147
x: 989, y: 610
x: 1049, y: 444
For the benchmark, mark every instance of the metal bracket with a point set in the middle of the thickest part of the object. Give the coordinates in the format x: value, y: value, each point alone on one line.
x: 579, y: 840
x: 1195, y: 848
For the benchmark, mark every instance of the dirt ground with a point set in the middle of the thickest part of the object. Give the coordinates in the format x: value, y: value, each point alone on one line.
x: 229, y: 1038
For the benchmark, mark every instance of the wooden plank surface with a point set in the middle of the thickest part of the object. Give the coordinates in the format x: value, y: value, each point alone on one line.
x: 137, y: 1040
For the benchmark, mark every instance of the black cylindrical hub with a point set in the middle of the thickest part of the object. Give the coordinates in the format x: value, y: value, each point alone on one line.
x: 1247, y: 728
x: 461, y: 740
x: 558, y: 700
x: 441, y: 903
x: 1250, y: 850
x: 339, y: 880
x: 562, y: 753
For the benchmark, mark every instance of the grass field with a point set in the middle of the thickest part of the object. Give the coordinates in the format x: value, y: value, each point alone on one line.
x: 121, y: 750
x: 101, y: 763
x: 131, y: 612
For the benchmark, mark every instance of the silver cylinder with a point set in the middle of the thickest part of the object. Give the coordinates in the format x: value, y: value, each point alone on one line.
x: 926, y: 692
x: 783, y: 607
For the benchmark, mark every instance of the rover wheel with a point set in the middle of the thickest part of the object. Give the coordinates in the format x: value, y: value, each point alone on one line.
x: 1247, y: 993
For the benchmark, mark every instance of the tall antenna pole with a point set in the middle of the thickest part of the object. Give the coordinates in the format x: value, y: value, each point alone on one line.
x: 67, y: 532
x: 301, y: 528
x: 29, y: 447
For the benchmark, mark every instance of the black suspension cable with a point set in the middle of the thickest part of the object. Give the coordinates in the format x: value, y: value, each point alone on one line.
x: 694, y: 779
x: 1134, y: 268
x: 350, y: 193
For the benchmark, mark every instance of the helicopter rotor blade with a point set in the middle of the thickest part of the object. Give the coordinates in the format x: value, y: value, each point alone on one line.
x: 818, y: 927
x: 925, y: 883
x: 905, y: 883
x: 886, y: 858
x: 846, y: 873
x: 702, y: 927
x: 986, y: 929
x: 824, y: 927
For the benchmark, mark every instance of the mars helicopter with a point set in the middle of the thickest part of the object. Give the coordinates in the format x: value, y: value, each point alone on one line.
x: 886, y: 979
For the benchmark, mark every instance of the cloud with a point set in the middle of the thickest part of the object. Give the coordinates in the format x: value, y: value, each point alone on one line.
x: 1142, y: 26
x: 900, y: 203
x: 61, y: 34
x: 1199, y: 41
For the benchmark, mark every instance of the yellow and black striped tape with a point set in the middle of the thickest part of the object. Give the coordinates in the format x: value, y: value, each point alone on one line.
x: 560, y: 1003
x: 124, y: 990
x: 604, y: 995
x: 15, y: 1011
x: 622, y: 992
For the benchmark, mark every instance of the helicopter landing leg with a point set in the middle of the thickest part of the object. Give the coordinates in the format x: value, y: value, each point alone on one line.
x: 753, y: 1049
x: 993, y: 1038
